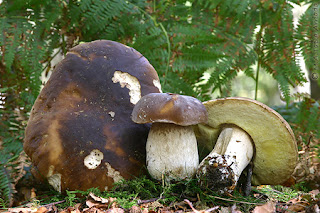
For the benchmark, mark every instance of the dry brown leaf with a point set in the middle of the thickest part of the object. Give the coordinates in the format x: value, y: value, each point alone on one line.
x: 113, y: 202
x: 22, y: 210
x: 152, y: 205
x: 42, y: 210
x: 115, y: 210
x: 315, y: 192
x: 99, y: 203
x: 269, y: 207
x: 90, y: 204
x: 92, y: 210
x: 298, y: 207
x: 145, y: 211
x: 135, y: 209
x: 179, y: 206
x: 98, y: 199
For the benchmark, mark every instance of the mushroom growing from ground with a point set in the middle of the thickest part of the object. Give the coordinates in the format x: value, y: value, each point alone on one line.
x: 245, y: 130
x: 80, y: 133
x: 171, y: 146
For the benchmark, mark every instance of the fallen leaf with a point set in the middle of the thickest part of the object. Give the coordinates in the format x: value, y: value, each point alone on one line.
x: 90, y: 204
x: 93, y: 210
x: 22, y: 210
x: 42, y: 210
x: 298, y: 207
x: 269, y: 207
x: 98, y: 199
x: 115, y: 210
x: 315, y: 192
x: 135, y: 209
x: 153, y: 205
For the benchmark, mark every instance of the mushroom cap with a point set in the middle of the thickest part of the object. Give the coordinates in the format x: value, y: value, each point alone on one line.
x: 169, y: 108
x: 275, y: 147
x: 80, y: 133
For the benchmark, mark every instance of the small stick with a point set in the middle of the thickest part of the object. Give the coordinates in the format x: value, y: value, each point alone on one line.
x: 246, y: 187
x: 52, y: 204
x: 236, y: 201
x: 196, y: 211
x: 147, y: 201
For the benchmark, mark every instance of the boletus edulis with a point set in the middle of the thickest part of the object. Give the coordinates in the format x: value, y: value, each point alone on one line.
x: 243, y: 131
x: 80, y: 133
x: 172, y: 151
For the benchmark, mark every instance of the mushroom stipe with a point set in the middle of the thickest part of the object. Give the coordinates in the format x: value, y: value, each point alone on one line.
x: 171, y: 146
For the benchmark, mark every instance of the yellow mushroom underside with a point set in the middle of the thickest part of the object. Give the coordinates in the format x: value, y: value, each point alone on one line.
x: 275, y: 147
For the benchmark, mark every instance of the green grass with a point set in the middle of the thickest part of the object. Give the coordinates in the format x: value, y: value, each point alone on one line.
x: 279, y: 193
x: 130, y: 193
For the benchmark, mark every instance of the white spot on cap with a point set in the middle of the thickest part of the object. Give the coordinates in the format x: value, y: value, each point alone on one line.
x: 129, y: 81
x: 157, y: 84
x: 112, y: 114
x: 93, y: 160
x: 115, y: 175
x: 54, y: 179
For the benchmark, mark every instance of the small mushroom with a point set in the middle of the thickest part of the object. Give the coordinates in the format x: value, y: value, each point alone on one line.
x: 80, y: 134
x: 171, y: 146
x: 245, y: 130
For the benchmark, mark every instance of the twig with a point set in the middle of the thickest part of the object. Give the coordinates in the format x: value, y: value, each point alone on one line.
x: 52, y: 204
x: 148, y: 201
x: 212, y: 209
x: 191, y: 206
x: 236, y: 201
x: 197, y: 211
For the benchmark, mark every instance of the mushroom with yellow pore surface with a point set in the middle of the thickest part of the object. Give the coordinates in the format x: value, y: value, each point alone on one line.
x: 245, y: 130
x: 171, y: 149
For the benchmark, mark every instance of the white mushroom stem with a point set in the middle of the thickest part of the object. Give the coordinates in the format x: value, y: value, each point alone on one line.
x: 172, y: 152
x: 221, y: 169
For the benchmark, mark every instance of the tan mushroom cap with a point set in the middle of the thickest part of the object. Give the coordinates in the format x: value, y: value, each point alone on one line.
x: 275, y: 146
x: 169, y: 108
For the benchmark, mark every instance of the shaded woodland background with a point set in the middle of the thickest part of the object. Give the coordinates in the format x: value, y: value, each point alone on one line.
x: 205, y: 49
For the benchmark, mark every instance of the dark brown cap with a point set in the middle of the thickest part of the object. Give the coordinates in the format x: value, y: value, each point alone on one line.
x: 80, y: 133
x: 169, y: 108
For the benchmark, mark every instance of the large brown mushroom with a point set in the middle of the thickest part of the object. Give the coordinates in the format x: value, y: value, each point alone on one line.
x: 80, y: 133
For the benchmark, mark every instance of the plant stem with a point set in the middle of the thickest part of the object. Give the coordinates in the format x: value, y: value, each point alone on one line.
x: 257, y: 79
x: 259, y: 54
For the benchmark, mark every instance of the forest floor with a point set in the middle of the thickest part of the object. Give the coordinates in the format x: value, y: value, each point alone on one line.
x: 146, y: 196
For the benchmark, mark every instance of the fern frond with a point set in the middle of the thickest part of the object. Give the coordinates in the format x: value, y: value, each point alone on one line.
x: 6, y: 185
x: 304, y: 35
x: 279, y: 53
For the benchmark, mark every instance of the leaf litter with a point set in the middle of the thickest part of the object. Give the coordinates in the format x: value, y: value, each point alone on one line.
x: 306, y: 202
